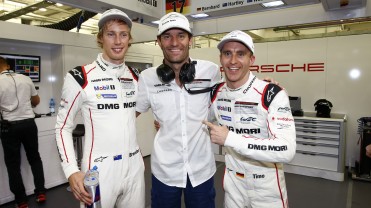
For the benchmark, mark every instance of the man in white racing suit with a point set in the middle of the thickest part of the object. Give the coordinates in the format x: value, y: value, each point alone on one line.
x: 105, y: 91
x: 255, y: 126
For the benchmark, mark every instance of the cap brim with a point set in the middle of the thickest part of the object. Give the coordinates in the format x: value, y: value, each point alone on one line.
x: 103, y: 20
x: 174, y: 27
x: 221, y: 43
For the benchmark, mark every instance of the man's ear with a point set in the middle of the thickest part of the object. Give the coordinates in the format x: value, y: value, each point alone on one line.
x: 159, y: 41
x: 252, y: 59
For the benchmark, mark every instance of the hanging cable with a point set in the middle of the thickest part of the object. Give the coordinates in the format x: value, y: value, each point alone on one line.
x: 81, y: 20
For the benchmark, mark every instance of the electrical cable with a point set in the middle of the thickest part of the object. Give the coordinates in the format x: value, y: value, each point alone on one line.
x: 81, y: 20
x: 16, y: 92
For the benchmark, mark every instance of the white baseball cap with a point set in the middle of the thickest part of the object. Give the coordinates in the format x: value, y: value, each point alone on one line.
x: 114, y: 14
x: 173, y: 20
x: 239, y: 36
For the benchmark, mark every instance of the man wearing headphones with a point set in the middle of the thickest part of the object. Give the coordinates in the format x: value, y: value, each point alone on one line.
x: 18, y: 127
x: 182, y: 159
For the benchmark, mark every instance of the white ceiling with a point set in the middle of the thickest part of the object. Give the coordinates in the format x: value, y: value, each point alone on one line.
x: 27, y: 12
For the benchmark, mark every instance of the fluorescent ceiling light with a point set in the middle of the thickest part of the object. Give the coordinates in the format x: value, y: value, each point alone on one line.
x: 43, y: 9
x: 156, y: 22
x: 273, y: 4
x: 355, y: 73
x: 59, y: 4
x: 198, y: 16
x: 14, y: 3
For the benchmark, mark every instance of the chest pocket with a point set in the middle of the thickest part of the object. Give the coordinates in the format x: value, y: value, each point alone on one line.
x: 164, y: 102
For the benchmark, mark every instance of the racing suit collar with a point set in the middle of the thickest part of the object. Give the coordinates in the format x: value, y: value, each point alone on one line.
x: 241, y: 91
x: 115, y: 70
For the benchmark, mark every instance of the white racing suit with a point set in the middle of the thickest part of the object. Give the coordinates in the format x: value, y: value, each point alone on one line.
x: 106, y: 95
x: 261, y: 137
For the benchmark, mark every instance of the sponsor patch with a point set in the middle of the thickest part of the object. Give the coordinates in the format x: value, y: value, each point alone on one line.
x: 257, y: 176
x: 108, y: 106
x: 64, y: 101
x: 99, y: 159
x: 164, y: 90
x: 127, y: 83
x: 241, y: 175
x: 130, y: 94
x: 161, y: 85
x: 130, y: 104
x: 102, y: 79
x: 226, y: 118
x: 283, y: 125
x: 199, y: 83
x: 246, y: 107
x: 104, y: 87
x: 107, y: 96
x: 267, y: 147
x: 117, y: 157
x: 224, y: 108
x: 284, y: 119
x: 246, y: 119
x: 284, y: 110
x: 244, y: 131
x: 133, y: 153
x: 224, y: 100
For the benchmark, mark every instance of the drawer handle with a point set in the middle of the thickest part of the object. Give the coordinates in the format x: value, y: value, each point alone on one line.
x: 309, y: 138
x: 309, y: 127
x: 313, y: 122
x: 310, y: 132
x: 312, y: 154
x: 309, y: 144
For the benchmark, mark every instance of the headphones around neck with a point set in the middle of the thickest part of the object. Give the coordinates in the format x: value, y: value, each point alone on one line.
x: 186, y: 75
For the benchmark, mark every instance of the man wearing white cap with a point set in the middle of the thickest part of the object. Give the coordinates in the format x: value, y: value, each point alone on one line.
x: 105, y: 91
x: 182, y: 160
x: 256, y: 127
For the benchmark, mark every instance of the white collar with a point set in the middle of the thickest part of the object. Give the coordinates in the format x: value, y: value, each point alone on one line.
x: 7, y: 72
x: 116, y: 70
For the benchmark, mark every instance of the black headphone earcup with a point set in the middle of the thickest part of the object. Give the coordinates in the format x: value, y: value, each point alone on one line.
x: 165, y: 73
x: 187, y: 73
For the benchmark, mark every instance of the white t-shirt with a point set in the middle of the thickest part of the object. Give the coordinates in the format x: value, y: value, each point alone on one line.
x: 15, y: 103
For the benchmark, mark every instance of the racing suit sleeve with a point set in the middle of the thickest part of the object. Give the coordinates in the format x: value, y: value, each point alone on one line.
x: 280, y: 143
x: 143, y: 101
x: 71, y: 102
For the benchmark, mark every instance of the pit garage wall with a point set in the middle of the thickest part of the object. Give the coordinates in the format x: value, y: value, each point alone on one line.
x: 334, y: 58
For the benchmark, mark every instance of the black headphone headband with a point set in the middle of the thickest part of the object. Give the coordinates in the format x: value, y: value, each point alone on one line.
x: 186, y: 75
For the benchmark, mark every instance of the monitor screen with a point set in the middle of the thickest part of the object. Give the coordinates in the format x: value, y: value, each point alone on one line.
x: 24, y: 64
